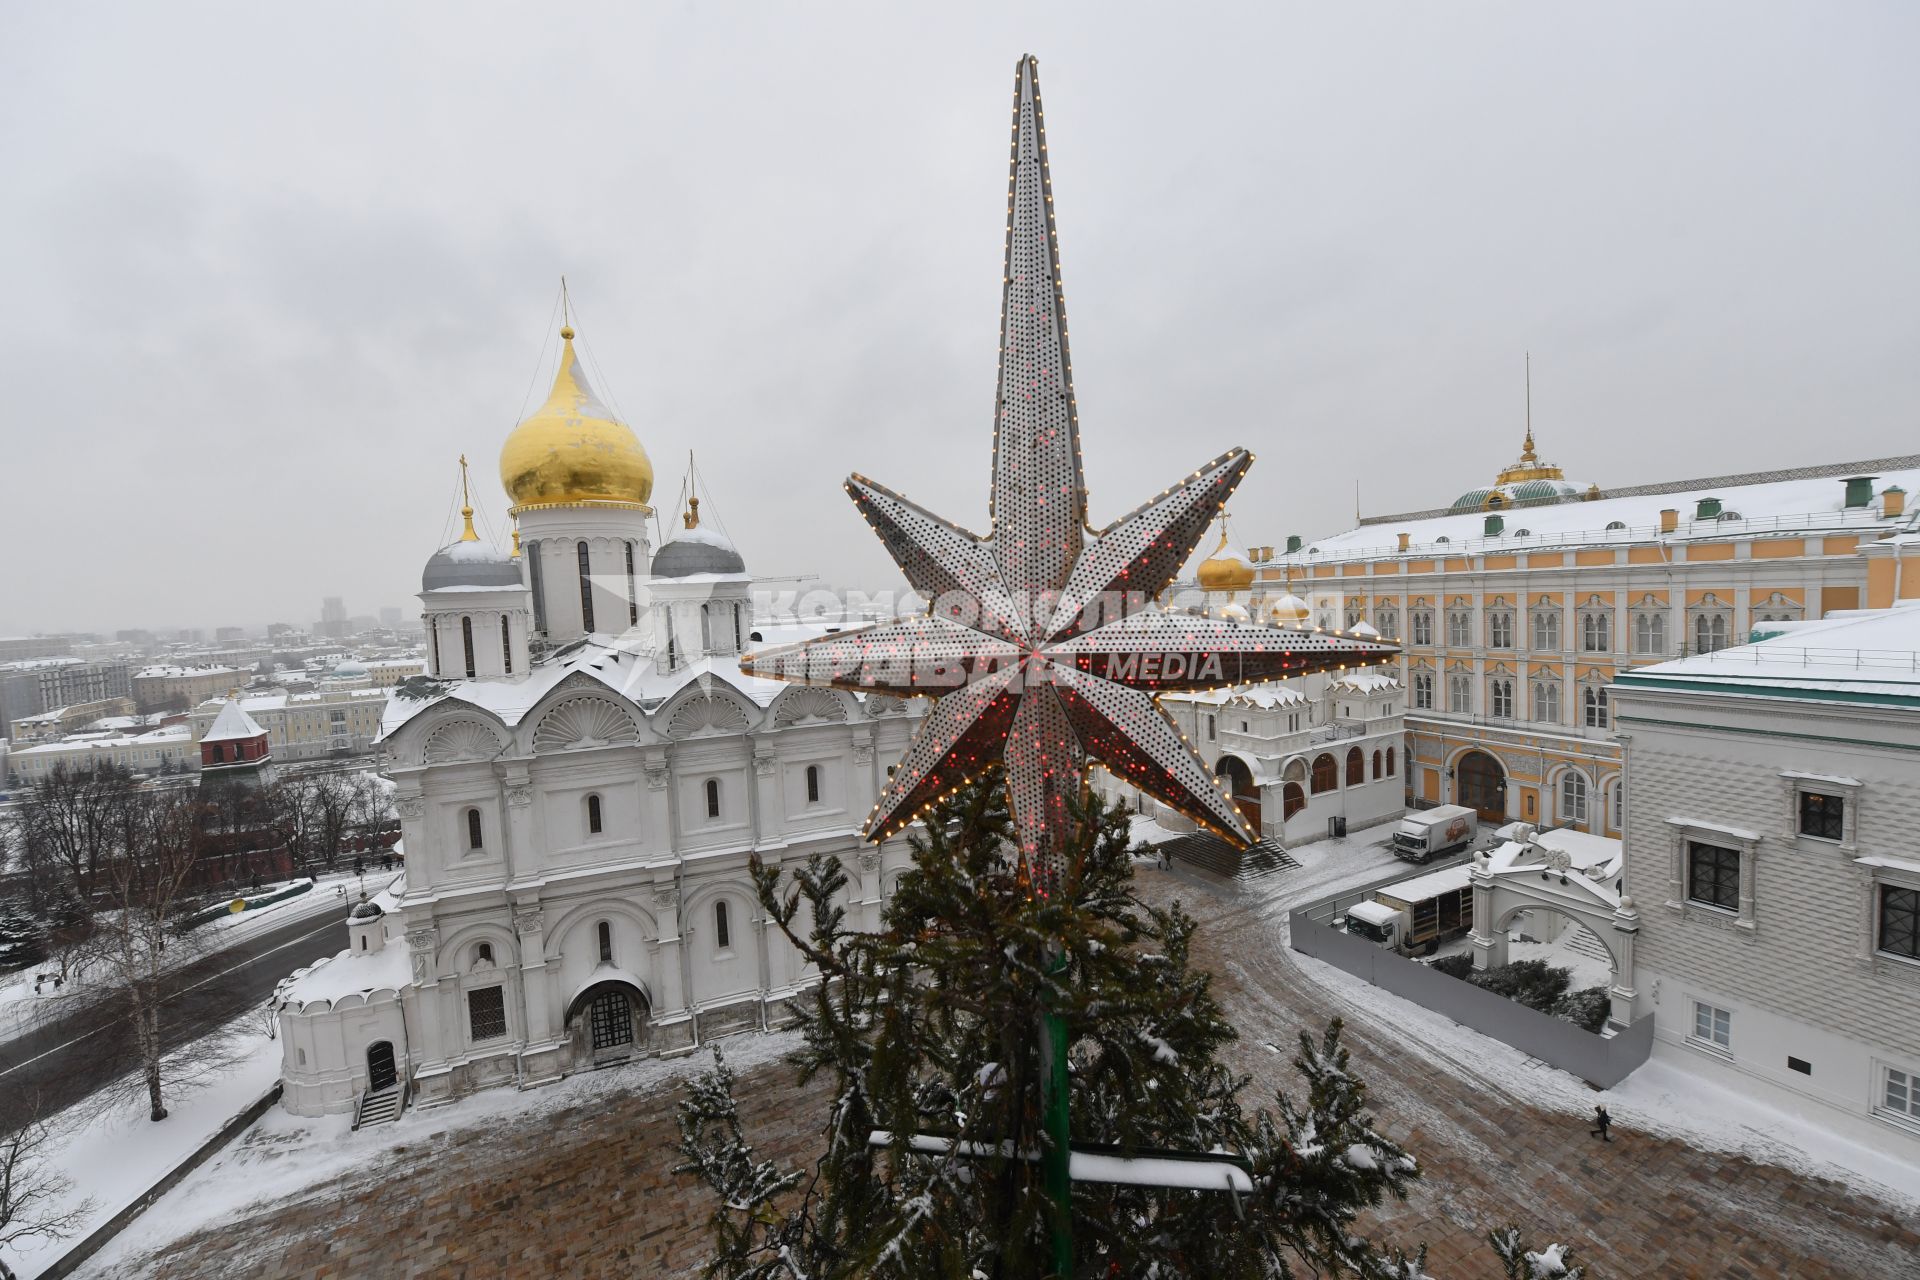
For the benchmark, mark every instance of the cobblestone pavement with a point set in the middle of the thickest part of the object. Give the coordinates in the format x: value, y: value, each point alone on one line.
x: 589, y: 1190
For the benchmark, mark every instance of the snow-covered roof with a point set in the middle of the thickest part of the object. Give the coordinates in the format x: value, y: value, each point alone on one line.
x: 165, y: 670
x: 345, y: 974
x: 232, y: 722
x: 1861, y: 654
x: 1367, y: 681
x: 623, y: 669
x: 1429, y: 885
x: 1777, y: 506
x: 1264, y: 697
x: 173, y: 734
x: 1583, y: 848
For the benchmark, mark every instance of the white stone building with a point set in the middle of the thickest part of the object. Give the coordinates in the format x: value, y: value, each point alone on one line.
x: 579, y: 797
x: 1772, y: 801
x: 1302, y: 757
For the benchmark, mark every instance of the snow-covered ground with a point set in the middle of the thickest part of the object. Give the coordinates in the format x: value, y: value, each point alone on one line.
x: 283, y: 1155
x: 1564, y: 952
x: 114, y: 1156
x: 1663, y: 1096
x: 22, y: 1008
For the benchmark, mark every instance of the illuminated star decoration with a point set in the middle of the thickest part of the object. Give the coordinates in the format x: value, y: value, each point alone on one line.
x: 1043, y: 648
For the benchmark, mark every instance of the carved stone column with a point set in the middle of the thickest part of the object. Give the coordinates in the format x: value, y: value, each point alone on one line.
x: 1623, y: 993
x: 1489, y: 945
x: 516, y: 790
x: 769, y: 812
x: 542, y: 1024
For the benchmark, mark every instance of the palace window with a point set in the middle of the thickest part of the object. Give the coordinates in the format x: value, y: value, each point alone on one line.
x: 1546, y: 701
x: 1326, y: 774
x: 633, y: 597
x: 738, y: 643
x: 1546, y: 629
x: 487, y: 1014
x: 1596, y: 630
x: 1460, y: 694
x: 466, y: 636
x: 1899, y: 923
x: 713, y: 797
x: 605, y: 935
x: 1389, y: 762
x: 1500, y: 698
x: 1713, y: 875
x: 1594, y: 706
x: 434, y: 626
x: 1376, y: 766
x: 1422, y: 626
x: 1500, y: 629
x: 1389, y: 623
x: 586, y: 587
x: 1712, y: 1026
x: 1356, y: 767
x: 1573, y: 797
x: 813, y: 784
x: 1900, y: 1094
x: 1423, y: 691
x: 1213, y: 730
x: 473, y: 829
x: 706, y: 628
x: 1619, y: 794
x: 722, y: 931
x: 1822, y: 817
x: 593, y: 815
x: 1459, y: 628
x: 1709, y: 632
x: 1649, y: 633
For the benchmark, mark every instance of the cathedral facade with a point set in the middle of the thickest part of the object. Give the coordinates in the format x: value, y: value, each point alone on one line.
x: 581, y: 782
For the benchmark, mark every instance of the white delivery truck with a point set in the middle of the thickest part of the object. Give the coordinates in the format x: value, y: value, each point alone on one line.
x: 1417, y: 914
x: 1427, y: 833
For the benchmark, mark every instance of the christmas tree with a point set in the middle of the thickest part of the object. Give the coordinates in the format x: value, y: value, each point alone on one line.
x: 928, y: 1032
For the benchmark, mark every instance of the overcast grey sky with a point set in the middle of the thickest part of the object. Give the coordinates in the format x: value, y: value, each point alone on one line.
x: 268, y: 269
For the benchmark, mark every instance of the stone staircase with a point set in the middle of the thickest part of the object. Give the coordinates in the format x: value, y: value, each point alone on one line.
x: 1579, y: 939
x: 1204, y: 852
x: 382, y: 1106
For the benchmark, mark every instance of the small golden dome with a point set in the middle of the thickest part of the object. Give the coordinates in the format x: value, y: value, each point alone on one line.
x: 1224, y: 571
x: 572, y: 450
x: 1290, y: 609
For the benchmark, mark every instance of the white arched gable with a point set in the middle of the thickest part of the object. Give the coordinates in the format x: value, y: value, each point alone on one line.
x: 706, y: 713
x: 583, y: 721
x: 455, y: 954
x: 805, y: 705
x: 581, y: 919
x: 459, y: 731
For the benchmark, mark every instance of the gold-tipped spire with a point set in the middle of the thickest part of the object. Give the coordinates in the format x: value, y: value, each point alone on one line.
x: 692, y: 518
x: 572, y: 451
x: 516, y: 541
x: 466, y: 504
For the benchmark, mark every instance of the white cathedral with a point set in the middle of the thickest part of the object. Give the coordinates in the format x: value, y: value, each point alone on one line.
x: 580, y: 788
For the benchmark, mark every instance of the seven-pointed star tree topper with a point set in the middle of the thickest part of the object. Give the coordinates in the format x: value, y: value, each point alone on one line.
x: 1043, y: 648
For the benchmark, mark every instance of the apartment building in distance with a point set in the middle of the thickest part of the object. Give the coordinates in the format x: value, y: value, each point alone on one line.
x: 1519, y: 604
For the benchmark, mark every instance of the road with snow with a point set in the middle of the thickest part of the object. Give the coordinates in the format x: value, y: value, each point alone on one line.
x: 69, y: 1058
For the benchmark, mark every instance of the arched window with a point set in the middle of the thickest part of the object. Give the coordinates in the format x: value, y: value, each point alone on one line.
x: 593, y: 815
x: 466, y: 635
x: 1376, y: 765
x: 1500, y: 697
x: 1573, y: 797
x: 606, y: 942
x: 473, y: 828
x: 532, y: 551
x: 483, y: 955
x: 633, y: 597
x: 1326, y: 774
x: 706, y: 628
x: 434, y: 626
x: 1292, y: 800
x: 586, y: 587
x: 738, y: 643
x: 722, y: 933
x: 813, y: 784
x: 713, y: 797
x: 506, y: 644
x: 1356, y: 767
x: 673, y: 649
x: 1389, y: 762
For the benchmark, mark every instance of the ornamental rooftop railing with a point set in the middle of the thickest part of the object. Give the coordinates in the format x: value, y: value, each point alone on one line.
x: 1889, y: 661
x: 1687, y: 531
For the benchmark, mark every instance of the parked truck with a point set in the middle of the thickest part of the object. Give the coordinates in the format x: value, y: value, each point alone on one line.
x: 1427, y: 833
x: 1416, y: 915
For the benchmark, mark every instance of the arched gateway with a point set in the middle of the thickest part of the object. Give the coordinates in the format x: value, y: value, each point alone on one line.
x: 1481, y: 785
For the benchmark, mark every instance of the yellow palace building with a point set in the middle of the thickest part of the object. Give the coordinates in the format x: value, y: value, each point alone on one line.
x: 1519, y: 603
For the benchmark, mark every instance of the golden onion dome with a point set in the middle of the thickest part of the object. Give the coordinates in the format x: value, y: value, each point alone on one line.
x: 573, y: 450
x: 1223, y: 570
x: 1290, y: 609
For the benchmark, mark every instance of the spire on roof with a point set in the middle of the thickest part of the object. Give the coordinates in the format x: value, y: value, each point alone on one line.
x: 466, y: 504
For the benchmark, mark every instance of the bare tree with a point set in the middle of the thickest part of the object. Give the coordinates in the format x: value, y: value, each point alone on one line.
x: 68, y: 828
x: 33, y: 1191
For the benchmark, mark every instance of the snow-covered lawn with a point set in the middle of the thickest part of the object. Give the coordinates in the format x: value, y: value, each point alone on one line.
x: 114, y: 1156
x: 282, y: 1156
x: 22, y: 1008
x: 1663, y: 1096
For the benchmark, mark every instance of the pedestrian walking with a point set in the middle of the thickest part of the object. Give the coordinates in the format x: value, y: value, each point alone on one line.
x: 1602, y: 1119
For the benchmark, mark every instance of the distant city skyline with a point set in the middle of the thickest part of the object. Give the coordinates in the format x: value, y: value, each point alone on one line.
x: 1310, y: 231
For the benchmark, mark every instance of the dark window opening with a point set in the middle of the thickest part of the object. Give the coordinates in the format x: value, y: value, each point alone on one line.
x: 813, y: 784
x: 1900, y: 921
x: 606, y: 942
x: 487, y: 1013
x: 473, y: 828
x: 593, y: 815
x: 1713, y: 875
x: 1801, y: 1065
x: 633, y: 597
x: 713, y: 797
x: 466, y: 635
x: 1823, y: 817
x: 586, y: 588
x: 722, y: 934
